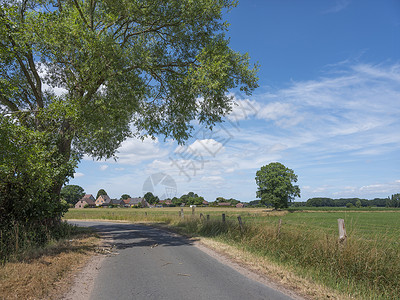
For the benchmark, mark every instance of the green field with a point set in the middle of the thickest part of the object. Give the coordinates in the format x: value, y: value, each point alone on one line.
x: 367, y: 266
x: 371, y: 225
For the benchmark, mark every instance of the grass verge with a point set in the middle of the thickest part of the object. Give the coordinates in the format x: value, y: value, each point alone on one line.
x: 46, y: 273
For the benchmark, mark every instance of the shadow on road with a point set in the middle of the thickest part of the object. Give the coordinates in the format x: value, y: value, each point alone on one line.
x: 137, y: 235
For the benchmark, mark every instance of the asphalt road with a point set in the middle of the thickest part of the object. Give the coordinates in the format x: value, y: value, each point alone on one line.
x: 149, y: 263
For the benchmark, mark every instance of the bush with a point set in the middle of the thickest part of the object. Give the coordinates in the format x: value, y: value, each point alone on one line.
x: 28, y: 205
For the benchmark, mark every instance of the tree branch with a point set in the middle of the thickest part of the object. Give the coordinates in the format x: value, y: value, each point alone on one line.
x: 11, y: 105
x: 81, y: 13
x: 32, y: 66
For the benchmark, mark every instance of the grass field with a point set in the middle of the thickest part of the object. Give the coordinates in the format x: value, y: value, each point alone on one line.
x: 366, y: 267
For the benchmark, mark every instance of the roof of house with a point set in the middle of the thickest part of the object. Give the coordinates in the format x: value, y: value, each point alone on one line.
x: 116, y: 201
x: 106, y: 198
x: 224, y: 204
x: 136, y: 201
x: 89, y: 199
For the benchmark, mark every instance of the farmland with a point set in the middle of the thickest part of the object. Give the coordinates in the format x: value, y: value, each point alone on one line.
x: 367, y: 266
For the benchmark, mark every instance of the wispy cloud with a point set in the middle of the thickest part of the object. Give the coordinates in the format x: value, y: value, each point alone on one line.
x: 103, y: 167
x: 337, y: 7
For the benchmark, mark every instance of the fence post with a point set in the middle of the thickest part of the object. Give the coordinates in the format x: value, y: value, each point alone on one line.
x: 279, y: 227
x: 240, y: 223
x: 342, y: 231
x: 193, y: 209
x: 201, y: 216
x: 208, y: 217
x: 223, y: 218
x: 182, y: 215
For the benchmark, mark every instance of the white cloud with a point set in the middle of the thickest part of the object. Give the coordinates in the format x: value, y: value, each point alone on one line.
x: 103, y: 167
x: 78, y: 174
x: 199, y: 149
x: 243, y: 109
x: 134, y: 151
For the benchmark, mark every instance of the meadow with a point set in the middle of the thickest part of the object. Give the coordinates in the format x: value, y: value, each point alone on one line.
x: 366, y: 266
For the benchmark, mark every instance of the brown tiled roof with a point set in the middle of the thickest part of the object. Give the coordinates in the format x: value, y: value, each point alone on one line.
x: 89, y: 199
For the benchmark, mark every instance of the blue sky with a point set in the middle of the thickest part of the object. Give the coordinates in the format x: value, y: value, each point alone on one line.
x: 328, y: 107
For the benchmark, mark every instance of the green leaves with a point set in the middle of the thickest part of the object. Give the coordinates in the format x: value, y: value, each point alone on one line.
x: 275, y: 185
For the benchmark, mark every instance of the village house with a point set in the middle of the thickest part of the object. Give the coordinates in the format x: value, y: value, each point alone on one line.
x: 136, y: 201
x: 103, y: 200
x: 87, y: 200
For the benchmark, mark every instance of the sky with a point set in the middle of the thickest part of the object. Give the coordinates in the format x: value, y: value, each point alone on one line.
x: 328, y: 107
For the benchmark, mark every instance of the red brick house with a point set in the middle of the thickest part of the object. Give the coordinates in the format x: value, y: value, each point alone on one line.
x: 88, y: 200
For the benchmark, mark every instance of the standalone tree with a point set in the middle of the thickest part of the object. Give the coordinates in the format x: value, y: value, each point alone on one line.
x: 275, y: 185
x: 101, y: 192
x: 72, y: 193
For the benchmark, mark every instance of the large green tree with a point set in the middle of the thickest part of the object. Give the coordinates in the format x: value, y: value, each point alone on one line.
x: 275, y: 185
x: 72, y: 193
x: 92, y: 73
x: 101, y: 192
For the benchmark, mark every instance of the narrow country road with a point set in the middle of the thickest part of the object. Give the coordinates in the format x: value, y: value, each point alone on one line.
x: 149, y: 263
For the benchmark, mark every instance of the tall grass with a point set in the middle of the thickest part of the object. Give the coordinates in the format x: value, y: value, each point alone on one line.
x: 358, y: 267
x: 16, y: 239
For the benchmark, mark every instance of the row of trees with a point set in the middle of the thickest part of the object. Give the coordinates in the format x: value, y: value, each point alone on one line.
x: 392, y: 201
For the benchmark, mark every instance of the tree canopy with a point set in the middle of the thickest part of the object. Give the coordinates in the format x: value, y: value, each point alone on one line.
x: 82, y: 76
x: 275, y: 185
x: 125, y: 196
x: 101, y: 192
x: 72, y: 193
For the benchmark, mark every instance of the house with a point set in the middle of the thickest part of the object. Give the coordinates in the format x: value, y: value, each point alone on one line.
x: 166, y: 202
x: 103, y: 200
x: 205, y: 202
x: 125, y: 202
x: 136, y: 201
x: 87, y: 200
x: 241, y: 205
x: 117, y: 202
x: 224, y: 204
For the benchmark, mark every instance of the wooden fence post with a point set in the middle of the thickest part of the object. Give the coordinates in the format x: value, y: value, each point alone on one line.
x: 193, y: 209
x: 342, y: 231
x: 240, y: 223
x: 223, y: 218
x: 201, y: 216
x: 208, y: 217
x: 279, y: 227
x: 182, y: 215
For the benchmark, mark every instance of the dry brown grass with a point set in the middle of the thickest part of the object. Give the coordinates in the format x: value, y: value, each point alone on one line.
x: 46, y: 274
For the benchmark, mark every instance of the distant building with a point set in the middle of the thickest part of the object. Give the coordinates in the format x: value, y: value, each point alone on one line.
x: 103, y: 200
x: 136, y: 201
x: 87, y: 200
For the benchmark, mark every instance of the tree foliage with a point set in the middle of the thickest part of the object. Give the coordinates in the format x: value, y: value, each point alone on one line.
x: 72, y: 193
x: 92, y: 73
x: 150, y: 198
x: 125, y: 196
x: 275, y: 185
x: 101, y: 192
